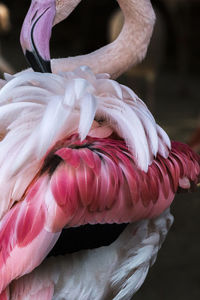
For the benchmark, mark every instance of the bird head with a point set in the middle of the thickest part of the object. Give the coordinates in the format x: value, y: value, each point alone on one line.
x: 36, y: 30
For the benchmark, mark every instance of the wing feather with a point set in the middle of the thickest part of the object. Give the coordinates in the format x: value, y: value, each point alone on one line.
x: 118, y: 189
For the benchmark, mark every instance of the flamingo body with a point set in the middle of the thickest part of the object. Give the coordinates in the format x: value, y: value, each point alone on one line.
x: 78, y: 148
x: 78, y: 160
x: 112, y: 272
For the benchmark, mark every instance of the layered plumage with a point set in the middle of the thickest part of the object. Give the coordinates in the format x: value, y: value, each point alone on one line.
x: 79, y: 148
x: 113, y: 272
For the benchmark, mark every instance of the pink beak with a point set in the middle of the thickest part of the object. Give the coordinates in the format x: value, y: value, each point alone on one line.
x: 36, y: 34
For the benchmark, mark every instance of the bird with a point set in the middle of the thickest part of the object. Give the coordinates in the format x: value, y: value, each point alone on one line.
x: 77, y: 149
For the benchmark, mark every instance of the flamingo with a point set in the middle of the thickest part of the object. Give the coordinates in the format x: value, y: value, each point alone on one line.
x: 78, y: 148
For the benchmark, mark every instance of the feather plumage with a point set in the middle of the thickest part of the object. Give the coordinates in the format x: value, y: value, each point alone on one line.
x: 79, y: 154
x: 112, y: 272
x: 30, y: 127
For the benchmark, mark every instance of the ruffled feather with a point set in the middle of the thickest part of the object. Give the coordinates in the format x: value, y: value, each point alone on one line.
x: 38, y: 109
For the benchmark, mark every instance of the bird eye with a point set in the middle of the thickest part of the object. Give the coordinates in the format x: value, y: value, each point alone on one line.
x: 99, y: 119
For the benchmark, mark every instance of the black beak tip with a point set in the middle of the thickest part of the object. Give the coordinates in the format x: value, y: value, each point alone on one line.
x: 37, y: 62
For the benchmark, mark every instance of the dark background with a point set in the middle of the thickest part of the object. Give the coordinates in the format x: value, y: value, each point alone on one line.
x: 173, y: 95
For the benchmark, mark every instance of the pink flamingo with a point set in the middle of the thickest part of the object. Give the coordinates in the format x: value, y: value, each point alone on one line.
x: 79, y: 148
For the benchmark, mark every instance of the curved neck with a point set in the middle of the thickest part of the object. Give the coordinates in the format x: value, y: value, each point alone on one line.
x: 127, y: 50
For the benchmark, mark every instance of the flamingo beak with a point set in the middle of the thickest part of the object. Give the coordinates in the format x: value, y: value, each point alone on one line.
x: 36, y: 34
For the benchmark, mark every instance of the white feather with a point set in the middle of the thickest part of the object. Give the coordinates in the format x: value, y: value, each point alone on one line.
x: 163, y: 135
x: 88, y: 106
x: 38, y: 109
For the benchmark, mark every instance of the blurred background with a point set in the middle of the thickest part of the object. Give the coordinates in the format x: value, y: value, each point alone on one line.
x: 168, y: 81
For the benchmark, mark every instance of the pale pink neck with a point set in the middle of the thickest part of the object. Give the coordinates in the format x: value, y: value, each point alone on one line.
x: 127, y: 50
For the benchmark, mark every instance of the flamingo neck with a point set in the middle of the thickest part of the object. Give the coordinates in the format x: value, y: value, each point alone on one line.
x: 128, y: 49
x: 64, y: 9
